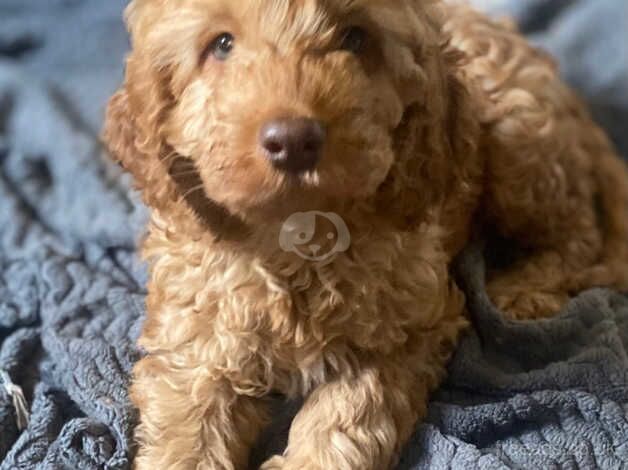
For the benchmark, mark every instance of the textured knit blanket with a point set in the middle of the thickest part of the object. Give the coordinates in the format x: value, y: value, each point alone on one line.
x: 537, y: 395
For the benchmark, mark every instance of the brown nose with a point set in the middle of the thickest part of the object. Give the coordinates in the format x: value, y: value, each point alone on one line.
x: 293, y: 145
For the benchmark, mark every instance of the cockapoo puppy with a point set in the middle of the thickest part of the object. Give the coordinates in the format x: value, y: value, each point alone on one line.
x: 380, y: 132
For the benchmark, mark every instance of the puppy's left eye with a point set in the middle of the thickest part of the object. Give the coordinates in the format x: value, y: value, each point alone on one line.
x: 354, y: 39
x: 221, y: 46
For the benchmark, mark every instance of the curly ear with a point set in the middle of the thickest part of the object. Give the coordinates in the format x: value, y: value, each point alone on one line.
x: 435, y: 146
x: 119, y: 131
x: 133, y: 136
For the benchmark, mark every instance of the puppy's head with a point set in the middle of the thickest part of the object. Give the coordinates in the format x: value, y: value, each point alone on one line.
x: 261, y: 108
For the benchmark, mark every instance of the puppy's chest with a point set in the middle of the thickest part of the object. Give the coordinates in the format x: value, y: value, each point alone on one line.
x: 290, y: 321
x: 370, y: 297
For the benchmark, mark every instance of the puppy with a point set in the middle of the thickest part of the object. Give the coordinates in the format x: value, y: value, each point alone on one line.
x: 395, y: 126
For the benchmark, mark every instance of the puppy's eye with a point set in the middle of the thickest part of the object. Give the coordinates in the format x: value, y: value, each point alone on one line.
x: 354, y: 39
x: 221, y: 46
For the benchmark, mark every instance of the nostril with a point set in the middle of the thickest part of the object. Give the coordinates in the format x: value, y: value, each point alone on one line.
x: 314, y: 137
x: 312, y: 146
x: 273, y: 146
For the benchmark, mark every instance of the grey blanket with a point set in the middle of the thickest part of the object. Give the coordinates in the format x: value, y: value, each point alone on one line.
x: 550, y: 394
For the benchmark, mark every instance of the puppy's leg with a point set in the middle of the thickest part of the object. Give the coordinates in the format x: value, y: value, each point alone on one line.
x: 542, y: 189
x: 355, y: 423
x: 360, y: 421
x: 189, y: 420
x: 549, y: 206
x: 540, y: 284
x: 543, y: 177
x: 534, y: 288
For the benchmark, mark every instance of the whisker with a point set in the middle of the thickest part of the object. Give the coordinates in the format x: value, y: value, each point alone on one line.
x: 192, y: 190
x: 182, y: 165
x: 181, y: 160
x: 172, y: 155
x: 192, y: 171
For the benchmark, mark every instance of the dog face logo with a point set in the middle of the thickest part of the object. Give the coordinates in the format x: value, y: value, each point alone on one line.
x: 314, y: 235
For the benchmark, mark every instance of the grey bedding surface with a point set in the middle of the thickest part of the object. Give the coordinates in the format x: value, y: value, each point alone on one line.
x: 549, y: 394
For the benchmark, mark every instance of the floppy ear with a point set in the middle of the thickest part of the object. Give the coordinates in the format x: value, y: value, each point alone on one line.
x: 133, y: 134
x: 434, y: 143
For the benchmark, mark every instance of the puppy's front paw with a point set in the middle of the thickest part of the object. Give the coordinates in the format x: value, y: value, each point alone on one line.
x: 279, y: 462
x: 529, y: 305
x: 274, y: 463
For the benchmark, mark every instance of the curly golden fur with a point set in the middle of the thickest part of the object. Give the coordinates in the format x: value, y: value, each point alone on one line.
x: 446, y: 121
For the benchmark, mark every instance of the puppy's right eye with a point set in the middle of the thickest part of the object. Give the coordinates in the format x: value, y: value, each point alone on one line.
x: 220, y: 48
x: 354, y: 39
